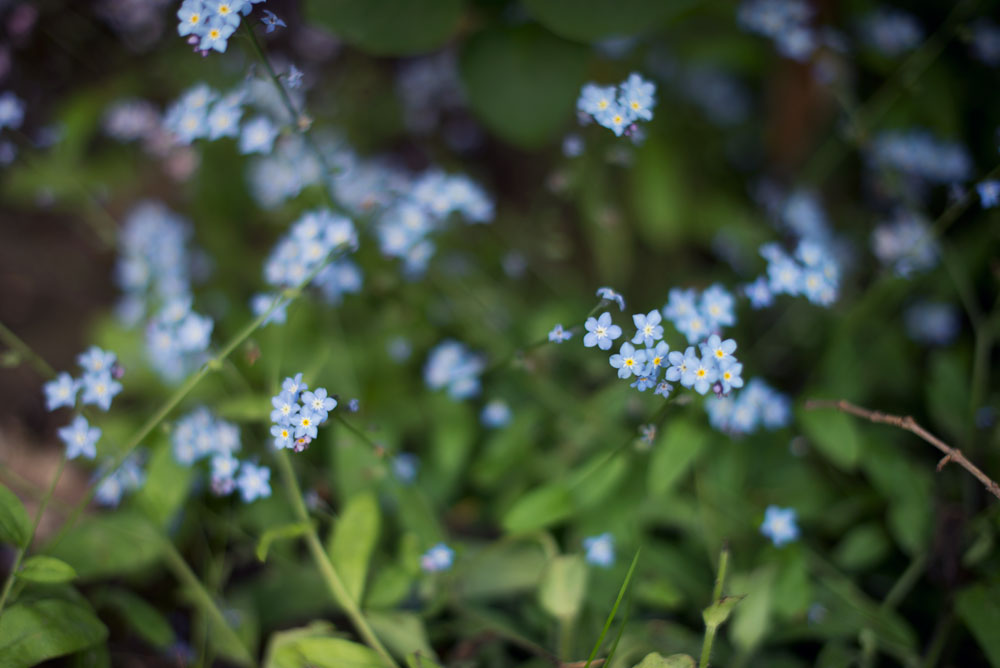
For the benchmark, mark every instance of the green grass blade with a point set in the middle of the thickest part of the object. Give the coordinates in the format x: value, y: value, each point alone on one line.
x: 614, y: 609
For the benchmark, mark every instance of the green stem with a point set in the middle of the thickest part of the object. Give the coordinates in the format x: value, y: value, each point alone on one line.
x: 565, y: 637
x: 905, y: 583
x: 329, y: 574
x: 23, y: 549
x: 710, y: 629
x: 180, y: 393
x: 15, y: 343
x: 175, y: 561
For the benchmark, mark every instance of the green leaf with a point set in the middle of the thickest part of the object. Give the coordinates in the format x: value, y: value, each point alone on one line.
x: 979, y: 608
x: 284, y: 532
x: 15, y: 525
x: 834, y: 434
x: 717, y: 613
x: 420, y: 661
x: 590, y: 20
x: 752, y: 620
x: 523, y: 82
x: 864, y: 546
x: 388, y: 27
x: 315, y: 647
x: 563, y: 586
x: 352, y: 541
x: 110, y: 545
x: 403, y: 633
x: 656, y: 660
x: 139, y: 615
x: 40, y: 630
x: 539, y: 508
x: 503, y: 569
x: 46, y: 570
x: 673, y: 455
x: 166, y: 487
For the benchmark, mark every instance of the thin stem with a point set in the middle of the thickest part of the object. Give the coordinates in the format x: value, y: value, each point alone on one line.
x: 565, y: 637
x: 192, y: 381
x: 23, y: 549
x: 175, y: 561
x: 905, y: 583
x: 710, y: 629
x: 909, y: 424
x: 333, y: 582
x: 14, y: 342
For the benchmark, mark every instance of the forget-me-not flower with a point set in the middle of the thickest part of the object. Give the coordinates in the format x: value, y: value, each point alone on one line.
x: 600, y: 332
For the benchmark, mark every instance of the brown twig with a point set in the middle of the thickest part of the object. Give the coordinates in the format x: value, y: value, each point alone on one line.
x: 909, y: 424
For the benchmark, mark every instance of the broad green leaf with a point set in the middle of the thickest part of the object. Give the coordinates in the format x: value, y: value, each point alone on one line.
x: 315, y: 647
x: 403, y: 633
x: 352, y: 541
x: 752, y: 620
x: 523, y: 82
x: 673, y: 455
x: 388, y: 27
x: 110, y: 545
x: 834, y: 434
x: 390, y: 585
x: 590, y: 20
x: 863, y: 547
x: 656, y: 660
x: 539, y: 508
x: 15, y: 525
x: 979, y: 608
x: 139, y: 615
x: 563, y: 586
x: 717, y: 613
x: 283, y: 532
x: 46, y: 570
x: 166, y: 487
x: 500, y: 570
x: 33, y: 632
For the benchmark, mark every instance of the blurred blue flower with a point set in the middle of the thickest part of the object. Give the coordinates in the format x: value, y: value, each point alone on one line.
x: 437, y: 558
x: 271, y: 20
x: 600, y: 550
x: 61, y: 392
x: 496, y: 413
x: 80, y: 438
x: 780, y: 525
x: 254, y: 482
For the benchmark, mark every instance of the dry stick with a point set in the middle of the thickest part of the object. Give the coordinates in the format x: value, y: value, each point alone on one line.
x: 909, y: 424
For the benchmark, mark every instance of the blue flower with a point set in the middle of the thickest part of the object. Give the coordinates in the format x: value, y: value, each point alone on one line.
x: 648, y: 327
x: 644, y: 382
x: 694, y: 327
x: 681, y: 304
x: 224, y: 467
x: 224, y: 119
x: 780, y: 525
x: 99, y: 389
x: 254, y: 482
x: 663, y: 388
x: 271, y: 20
x: 637, y: 96
x: 95, y: 360
x: 628, y: 360
x: 294, y: 77
x: 405, y: 466
x: 891, y: 31
x: 700, y: 374
x: 437, y: 558
x: 600, y: 550
x: 595, y: 99
x: 616, y: 118
x: 452, y: 365
x: 306, y: 424
x: 257, y: 136
x: 558, y: 334
x: 294, y: 385
x: 600, y: 332
x: 225, y: 12
x: 678, y: 364
x: 717, y: 307
x: 612, y: 296
x: 80, y: 438
x: 989, y: 193
x: 730, y: 374
x: 11, y: 110
x: 262, y: 302
x: 716, y: 348
x: 61, y: 392
x: 495, y: 414
x: 284, y: 435
x: 319, y: 403
x: 129, y: 476
x: 656, y: 358
x: 215, y: 36
x: 192, y: 18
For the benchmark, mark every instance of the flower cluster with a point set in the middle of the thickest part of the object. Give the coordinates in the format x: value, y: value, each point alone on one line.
x: 891, y: 32
x: 307, y: 245
x: 453, y: 366
x: 756, y: 405
x: 298, y: 413
x: 784, y: 21
x: 204, y: 113
x: 918, y: 154
x: 126, y: 478
x: 696, y: 316
x: 811, y: 272
x: 907, y: 244
x: 98, y: 382
x: 619, y: 108
x: 208, y: 24
x: 780, y: 525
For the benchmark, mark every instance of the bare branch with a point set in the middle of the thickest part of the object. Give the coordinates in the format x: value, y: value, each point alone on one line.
x: 909, y: 424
